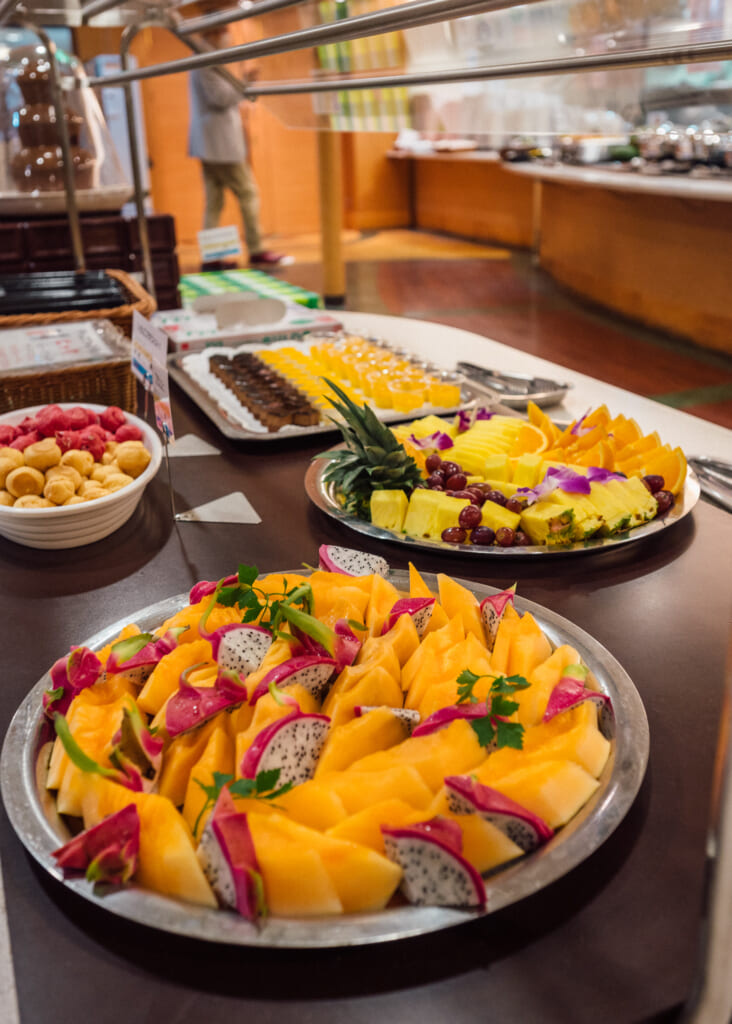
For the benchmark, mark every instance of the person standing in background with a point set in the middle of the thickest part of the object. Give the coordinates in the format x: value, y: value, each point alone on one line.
x: 216, y: 137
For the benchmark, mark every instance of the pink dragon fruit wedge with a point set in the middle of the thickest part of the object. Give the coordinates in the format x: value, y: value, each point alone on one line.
x: 292, y: 744
x: 435, y: 872
x: 70, y: 675
x: 466, y: 796
x: 571, y: 691
x: 446, y: 716
x: 492, y: 610
x: 351, y: 562
x: 311, y: 671
x: 134, y: 748
x: 419, y: 608
x: 204, y: 588
x: 191, y: 706
x: 106, y: 853
x: 137, y: 656
x: 229, y: 861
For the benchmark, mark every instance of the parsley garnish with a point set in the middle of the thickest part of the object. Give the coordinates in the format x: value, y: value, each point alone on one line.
x: 492, y: 729
x: 260, y: 788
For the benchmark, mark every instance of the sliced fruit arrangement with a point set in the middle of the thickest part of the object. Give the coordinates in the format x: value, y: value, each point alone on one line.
x: 322, y: 744
x: 486, y: 479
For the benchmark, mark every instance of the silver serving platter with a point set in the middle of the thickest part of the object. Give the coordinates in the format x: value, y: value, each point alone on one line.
x: 323, y: 495
x: 230, y: 426
x: 32, y: 814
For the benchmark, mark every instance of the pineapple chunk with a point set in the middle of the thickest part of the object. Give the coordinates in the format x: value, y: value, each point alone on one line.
x: 388, y: 509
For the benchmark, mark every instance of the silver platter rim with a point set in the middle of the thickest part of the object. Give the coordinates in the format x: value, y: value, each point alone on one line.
x: 619, y: 784
x: 323, y: 497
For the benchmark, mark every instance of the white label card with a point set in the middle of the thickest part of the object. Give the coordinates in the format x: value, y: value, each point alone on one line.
x: 218, y: 243
x: 149, y: 365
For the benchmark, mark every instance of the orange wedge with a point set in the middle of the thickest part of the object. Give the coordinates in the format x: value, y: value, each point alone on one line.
x: 624, y: 429
x: 539, y: 419
x: 668, y: 463
x: 529, y: 440
x: 599, y: 455
x: 598, y: 417
x: 644, y: 444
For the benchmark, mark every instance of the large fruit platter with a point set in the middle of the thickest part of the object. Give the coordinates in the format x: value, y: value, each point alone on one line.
x: 486, y: 483
x: 341, y: 756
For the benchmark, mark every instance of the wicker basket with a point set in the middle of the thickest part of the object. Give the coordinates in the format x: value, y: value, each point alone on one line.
x: 107, y: 380
x: 120, y: 316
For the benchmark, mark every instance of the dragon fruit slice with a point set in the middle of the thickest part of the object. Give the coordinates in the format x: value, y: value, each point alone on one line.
x: 409, y: 717
x: 435, y: 872
x: 229, y: 861
x: 138, y: 655
x: 239, y: 646
x: 204, y: 588
x: 107, y: 852
x: 492, y: 610
x: 292, y: 744
x: 310, y: 671
x: 446, y: 716
x: 136, y: 749
x: 69, y: 676
x: 466, y: 796
x: 571, y: 691
x: 420, y: 609
x: 351, y: 562
x: 315, y: 638
x: 191, y: 706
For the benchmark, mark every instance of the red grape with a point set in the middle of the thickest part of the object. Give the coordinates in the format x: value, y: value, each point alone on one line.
x: 654, y: 482
x: 448, y: 468
x: 469, y: 517
x: 665, y: 501
x: 497, y: 497
x: 432, y: 462
x: 514, y: 505
x: 454, y: 535
x: 505, y: 536
x: 482, y: 535
x: 435, y: 480
x: 457, y: 481
x: 521, y: 539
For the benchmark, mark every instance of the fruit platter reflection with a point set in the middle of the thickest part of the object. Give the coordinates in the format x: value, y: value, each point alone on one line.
x: 483, y: 480
x: 313, y: 746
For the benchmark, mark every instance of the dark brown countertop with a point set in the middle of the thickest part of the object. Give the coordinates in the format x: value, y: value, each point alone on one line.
x: 613, y: 942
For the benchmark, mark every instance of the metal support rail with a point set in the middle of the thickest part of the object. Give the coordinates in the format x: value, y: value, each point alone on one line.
x: 408, y: 15
x: 227, y: 17
x: 689, y: 54
x: 96, y: 7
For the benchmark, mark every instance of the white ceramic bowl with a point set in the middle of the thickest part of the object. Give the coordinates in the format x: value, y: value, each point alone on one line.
x: 71, y: 526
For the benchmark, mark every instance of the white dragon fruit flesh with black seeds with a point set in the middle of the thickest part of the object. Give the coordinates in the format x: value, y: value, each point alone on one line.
x: 351, y: 562
x: 292, y: 744
x: 239, y: 647
x: 409, y: 717
x: 310, y: 671
x: 435, y: 872
x: 525, y: 829
x: 227, y: 856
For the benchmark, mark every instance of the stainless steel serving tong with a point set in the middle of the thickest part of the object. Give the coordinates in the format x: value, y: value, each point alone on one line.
x: 515, y: 388
x: 715, y: 478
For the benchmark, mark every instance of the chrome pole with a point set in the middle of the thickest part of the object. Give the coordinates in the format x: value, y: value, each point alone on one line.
x: 128, y: 37
x: 57, y: 101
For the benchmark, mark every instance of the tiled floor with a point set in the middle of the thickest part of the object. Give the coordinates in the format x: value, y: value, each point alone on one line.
x: 519, y: 305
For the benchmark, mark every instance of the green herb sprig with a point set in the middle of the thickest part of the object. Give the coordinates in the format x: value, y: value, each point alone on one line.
x: 492, y: 729
x: 262, y: 787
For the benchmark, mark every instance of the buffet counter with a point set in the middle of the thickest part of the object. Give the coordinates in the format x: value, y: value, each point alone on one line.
x: 616, y: 939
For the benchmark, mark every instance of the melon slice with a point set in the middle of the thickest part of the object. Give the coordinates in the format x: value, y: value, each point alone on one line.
x: 296, y: 883
x: 347, y: 743
x: 507, y: 629
x: 358, y: 789
x: 484, y: 845
x: 458, y: 600
x: 384, y: 596
x: 363, y: 879
x: 190, y: 616
x: 533, y: 701
x: 217, y: 756
x: 438, y: 640
x: 167, y: 860
x: 529, y: 647
x: 364, y: 827
x: 127, y: 631
x: 552, y: 790
x: 164, y: 679
x: 376, y: 687
x: 417, y: 586
x: 450, y: 751
x: 180, y: 757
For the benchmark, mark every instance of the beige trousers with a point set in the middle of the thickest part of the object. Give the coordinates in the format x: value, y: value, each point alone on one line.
x: 239, y: 180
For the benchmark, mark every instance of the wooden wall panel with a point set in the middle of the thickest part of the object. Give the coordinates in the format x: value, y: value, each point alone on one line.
x: 658, y: 259
x: 473, y: 197
x: 376, y: 188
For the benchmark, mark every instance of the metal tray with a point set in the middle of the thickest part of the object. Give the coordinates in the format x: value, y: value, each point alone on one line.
x: 515, y: 390
x: 323, y: 495
x: 230, y: 426
x: 32, y: 814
